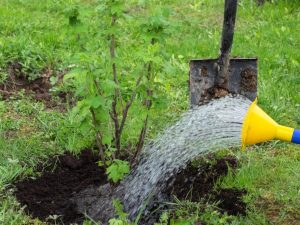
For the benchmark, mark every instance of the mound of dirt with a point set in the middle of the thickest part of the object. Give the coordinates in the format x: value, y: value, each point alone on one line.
x: 199, y: 180
x: 39, y: 88
x: 53, y: 192
x: 50, y: 193
x: 196, y: 184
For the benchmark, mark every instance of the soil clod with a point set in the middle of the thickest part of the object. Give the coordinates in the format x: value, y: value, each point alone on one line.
x: 249, y: 80
x: 51, y: 193
x: 76, y: 183
x: 196, y: 184
x: 39, y: 88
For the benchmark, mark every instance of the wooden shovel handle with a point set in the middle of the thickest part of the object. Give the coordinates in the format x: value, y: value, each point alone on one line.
x: 227, y: 37
x: 228, y: 25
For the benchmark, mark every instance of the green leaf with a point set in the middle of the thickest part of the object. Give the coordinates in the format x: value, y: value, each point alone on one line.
x: 119, y: 209
x: 96, y: 101
x: 73, y: 74
x: 117, y: 170
x: 116, y: 222
x: 53, y: 80
x: 102, y: 115
x: 106, y: 139
x: 117, y: 8
x: 109, y: 87
x: 85, y: 127
x: 100, y: 163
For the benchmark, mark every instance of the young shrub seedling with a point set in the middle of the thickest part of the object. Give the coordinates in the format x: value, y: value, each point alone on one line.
x: 117, y: 84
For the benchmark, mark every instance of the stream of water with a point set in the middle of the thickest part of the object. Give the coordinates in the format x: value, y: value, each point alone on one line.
x: 200, y: 130
x: 203, y: 129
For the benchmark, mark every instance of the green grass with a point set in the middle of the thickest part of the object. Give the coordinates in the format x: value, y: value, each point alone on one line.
x: 24, y: 143
x: 38, y: 34
x: 270, y: 175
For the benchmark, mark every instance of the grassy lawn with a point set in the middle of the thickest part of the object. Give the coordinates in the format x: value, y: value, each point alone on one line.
x: 38, y: 35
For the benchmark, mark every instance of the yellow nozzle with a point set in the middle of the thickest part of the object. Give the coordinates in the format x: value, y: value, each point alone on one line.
x: 259, y: 127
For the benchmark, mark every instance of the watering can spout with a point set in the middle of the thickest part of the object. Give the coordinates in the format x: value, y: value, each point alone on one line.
x: 258, y: 127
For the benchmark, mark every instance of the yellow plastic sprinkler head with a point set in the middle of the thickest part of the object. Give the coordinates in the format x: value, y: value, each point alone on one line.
x: 258, y: 127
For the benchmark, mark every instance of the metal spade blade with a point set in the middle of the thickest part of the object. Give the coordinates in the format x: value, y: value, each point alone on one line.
x: 215, y: 78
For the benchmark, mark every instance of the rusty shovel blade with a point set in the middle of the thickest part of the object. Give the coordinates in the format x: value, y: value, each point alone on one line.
x: 205, y: 84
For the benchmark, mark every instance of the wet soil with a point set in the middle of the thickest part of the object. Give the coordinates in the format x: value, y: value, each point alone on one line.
x: 64, y: 177
x: 196, y: 184
x: 204, y: 71
x: 212, y: 93
x: 200, y: 179
x: 53, y: 192
x: 217, y: 92
x: 38, y: 89
x: 249, y: 80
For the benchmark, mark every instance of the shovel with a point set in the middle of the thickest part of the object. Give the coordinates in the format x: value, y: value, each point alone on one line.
x: 216, y: 78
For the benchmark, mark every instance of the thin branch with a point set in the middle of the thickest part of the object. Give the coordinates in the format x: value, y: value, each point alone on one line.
x: 97, y: 86
x: 100, y: 93
x: 142, y: 135
x: 114, y: 116
x: 6, y: 92
x: 14, y: 83
x: 129, y: 103
x: 98, y: 138
x: 112, y: 50
x: 141, y: 142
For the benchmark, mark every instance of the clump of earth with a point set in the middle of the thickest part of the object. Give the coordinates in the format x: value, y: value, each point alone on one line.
x: 39, y: 88
x: 70, y: 182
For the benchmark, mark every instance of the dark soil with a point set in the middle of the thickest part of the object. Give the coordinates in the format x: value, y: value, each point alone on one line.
x: 217, y: 92
x: 204, y: 71
x: 249, y: 80
x: 231, y: 201
x: 39, y: 88
x: 52, y: 193
x: 199, y: 181
x: 196, y: 184
x: 212, y: 93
